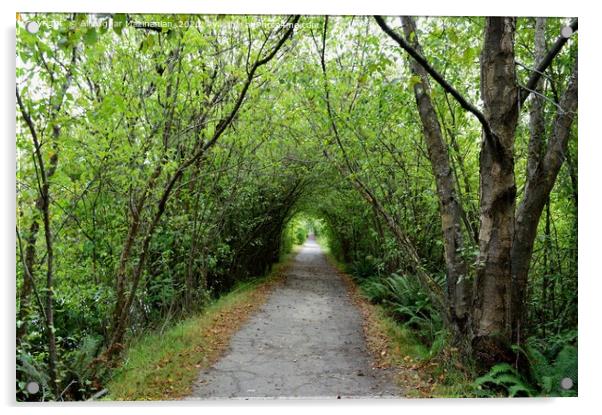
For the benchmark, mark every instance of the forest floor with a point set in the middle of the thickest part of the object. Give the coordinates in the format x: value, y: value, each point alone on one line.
x: 306, y: 341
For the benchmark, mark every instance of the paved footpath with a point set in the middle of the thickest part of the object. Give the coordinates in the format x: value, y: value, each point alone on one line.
x: 305, y: 342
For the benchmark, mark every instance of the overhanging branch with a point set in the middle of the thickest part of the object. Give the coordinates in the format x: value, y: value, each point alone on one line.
x: 436, y: 76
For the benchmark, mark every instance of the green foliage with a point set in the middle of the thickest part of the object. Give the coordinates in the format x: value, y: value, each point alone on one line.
x: 505, y: 377
x: 547, y: 370
x: 364, y: 268
x: 549, y: 367
x: 405, y: 300
x: 296, y: 231
x: 32, y: 370
x: 79, y: 363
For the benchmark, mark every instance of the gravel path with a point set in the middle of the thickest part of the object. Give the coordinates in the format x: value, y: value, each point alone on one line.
x: 306, y: 341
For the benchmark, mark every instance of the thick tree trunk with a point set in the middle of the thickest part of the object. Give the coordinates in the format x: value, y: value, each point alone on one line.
x: 458, y: 288
x: 493, y: 283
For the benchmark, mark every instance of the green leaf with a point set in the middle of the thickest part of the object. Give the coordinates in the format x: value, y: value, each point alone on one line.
x: 91, y: 36
x: 119, y: 22
x: 515, y: 389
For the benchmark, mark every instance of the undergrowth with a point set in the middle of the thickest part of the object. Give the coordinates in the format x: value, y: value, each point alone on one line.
x: 419, y: 342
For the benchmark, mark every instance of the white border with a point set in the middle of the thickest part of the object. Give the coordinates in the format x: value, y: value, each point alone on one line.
x: 430, y: 7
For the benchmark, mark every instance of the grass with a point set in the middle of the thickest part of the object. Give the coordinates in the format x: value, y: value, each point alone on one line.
x: 164, y: 366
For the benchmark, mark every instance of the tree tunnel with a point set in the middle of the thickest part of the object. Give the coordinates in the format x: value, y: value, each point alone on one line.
x: 159, y: 168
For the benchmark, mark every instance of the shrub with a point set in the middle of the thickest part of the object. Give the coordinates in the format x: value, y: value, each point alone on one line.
x: 403, y: 297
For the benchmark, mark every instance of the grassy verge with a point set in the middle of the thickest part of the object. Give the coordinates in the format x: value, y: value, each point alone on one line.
x: 164, y: 366
x: 398, y: 347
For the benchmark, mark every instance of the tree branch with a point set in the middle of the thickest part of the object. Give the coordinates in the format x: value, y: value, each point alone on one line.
x: 224, y: 123
x: 544, y: 64
x: 436, y: 76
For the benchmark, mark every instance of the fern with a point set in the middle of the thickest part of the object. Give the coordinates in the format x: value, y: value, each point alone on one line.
x: 504, y: 376
x: 33, y: 371
x: 79, y: 362
x: 496, y: 371
x: 404, y: 298
x: 564, y: 366
x: 515, y: 389
x: 78, y: 374
x: 438, y: 343
x: 374, y: 290
x: 549, y: 373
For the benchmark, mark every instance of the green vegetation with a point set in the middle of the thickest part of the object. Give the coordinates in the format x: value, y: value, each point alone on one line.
x: 160, y: 167
x: 297, y: 230
x: 416, y: 331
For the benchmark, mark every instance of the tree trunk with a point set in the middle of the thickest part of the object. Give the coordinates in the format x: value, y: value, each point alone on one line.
x: 493, y: 283
x: 458, y: 288
x: 537, y: 132
x: 545, y: 279
x: 27, y: 288
x: 537, y: 192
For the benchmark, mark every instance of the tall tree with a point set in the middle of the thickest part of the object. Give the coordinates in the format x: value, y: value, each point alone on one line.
x: 505, y: 244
